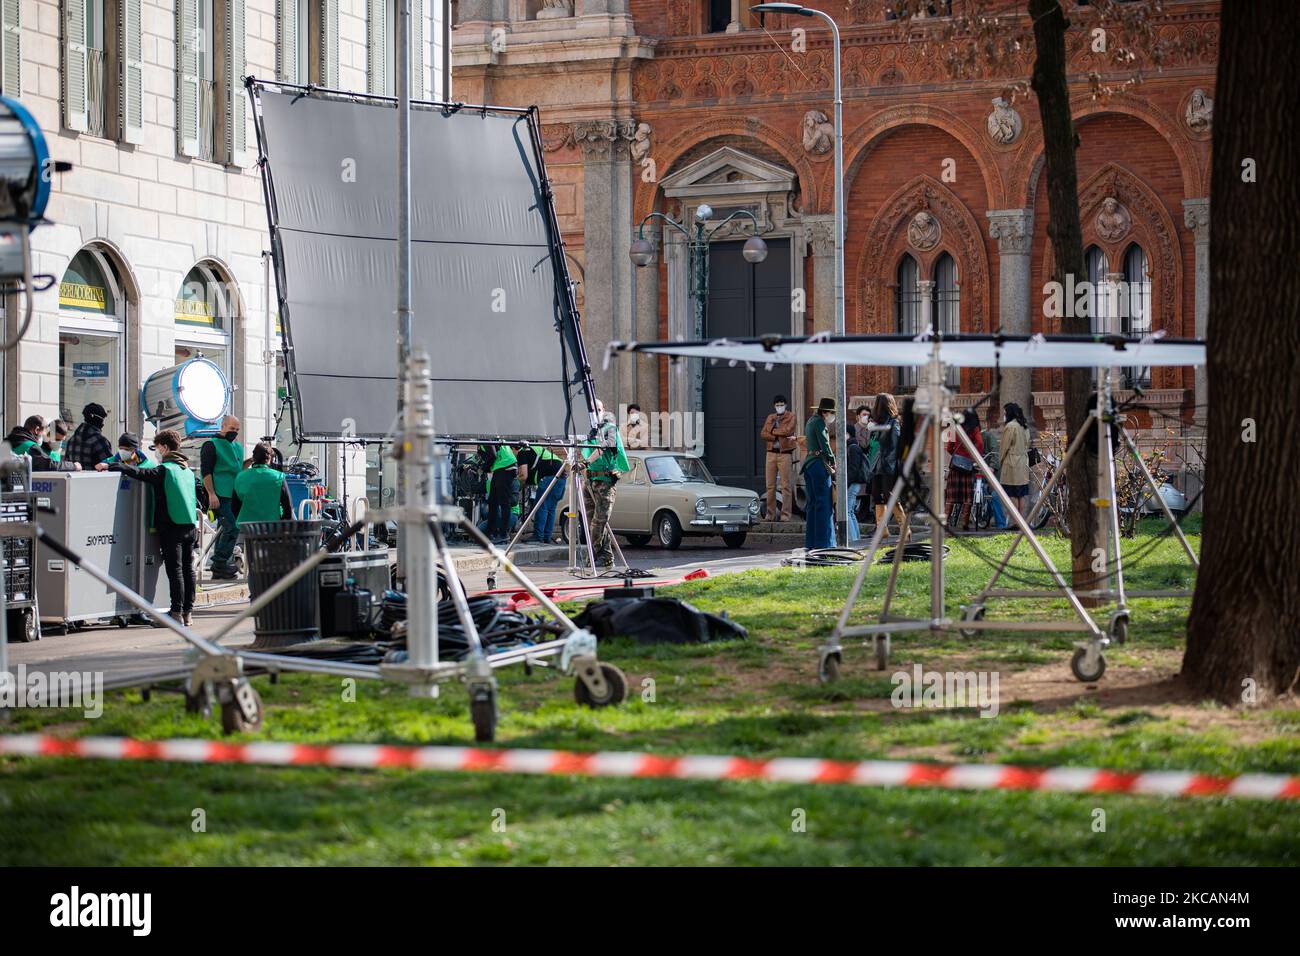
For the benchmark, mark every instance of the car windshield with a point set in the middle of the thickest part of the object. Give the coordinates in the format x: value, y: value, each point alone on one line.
x: 668, y: 468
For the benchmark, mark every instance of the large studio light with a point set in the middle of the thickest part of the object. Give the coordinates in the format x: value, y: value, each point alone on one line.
x: 24, y: 158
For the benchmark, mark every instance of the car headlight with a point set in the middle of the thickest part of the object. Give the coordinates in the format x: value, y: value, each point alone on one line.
x: 753, y: 506
x: 699, y: 506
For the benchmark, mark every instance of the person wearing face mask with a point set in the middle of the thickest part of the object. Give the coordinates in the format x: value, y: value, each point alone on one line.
x: 128, y: 453
x: 221, y: 459
x: 778, y: 438
x: 88, y: 445
x: 55, y: 436
x: 636, y: 432
x: 818, y: 472
x: 604, y: 464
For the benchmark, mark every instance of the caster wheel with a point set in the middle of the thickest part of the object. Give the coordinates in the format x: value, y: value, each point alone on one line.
x: 828, y: 672
x: 971, y: 614
x: 1077, y: 666
x: 615, y: 688
x: 233, y: 720
x: 483, y: 713
x: 23, y: 626
x: 1119, y: 630
x: 882, y: 651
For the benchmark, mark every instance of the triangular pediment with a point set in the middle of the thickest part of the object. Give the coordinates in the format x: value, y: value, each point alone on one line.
x: 726, y: 172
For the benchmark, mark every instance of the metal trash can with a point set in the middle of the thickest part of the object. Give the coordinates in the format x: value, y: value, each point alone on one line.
x: 273, y: 549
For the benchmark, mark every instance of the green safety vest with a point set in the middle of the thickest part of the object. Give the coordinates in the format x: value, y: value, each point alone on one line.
x: 230, y: 462
x: 610, y: 460
x: 23, y: 447
x: 505, y: 458
x: 151, y: 497
x: 259, y: 494
x: 182, y: 502
x: 543, y: 454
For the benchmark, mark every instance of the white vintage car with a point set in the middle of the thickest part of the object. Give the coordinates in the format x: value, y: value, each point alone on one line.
x: 670, y: 494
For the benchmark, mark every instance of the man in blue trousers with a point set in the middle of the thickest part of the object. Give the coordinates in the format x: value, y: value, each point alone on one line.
x: 818, y: 469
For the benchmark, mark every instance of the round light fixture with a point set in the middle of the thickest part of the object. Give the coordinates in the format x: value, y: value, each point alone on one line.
x: 642, y: 252
x: 755, y: 249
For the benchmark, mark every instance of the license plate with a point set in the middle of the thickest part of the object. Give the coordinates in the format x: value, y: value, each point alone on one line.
x: 728, y: 528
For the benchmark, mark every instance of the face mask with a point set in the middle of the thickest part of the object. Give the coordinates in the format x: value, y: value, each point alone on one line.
x: 830, y: 419
x: 231, y: 436
x: 780, y: 409
x: 863, y: 419
x: 633, y: 418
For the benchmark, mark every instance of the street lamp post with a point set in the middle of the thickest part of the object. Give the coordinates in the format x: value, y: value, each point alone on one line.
x: 841, y: 385
x: 642, y: 253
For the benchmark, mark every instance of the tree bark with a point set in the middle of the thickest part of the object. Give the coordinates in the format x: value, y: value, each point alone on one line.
x: 1063, y: 228
x: 1244, y: 631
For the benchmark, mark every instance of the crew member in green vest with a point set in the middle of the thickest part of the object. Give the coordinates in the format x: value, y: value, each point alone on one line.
x: 545, y: 474
x: 260, y: 491
x: 502, y: 489
x: 220, y: 461
x: 25, y: 439
x: 128, y: 453
x: 178, y: 497
x: 605, y: 463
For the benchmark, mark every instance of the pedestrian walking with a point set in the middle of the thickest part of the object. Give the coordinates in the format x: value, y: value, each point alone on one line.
x: 818, y: 472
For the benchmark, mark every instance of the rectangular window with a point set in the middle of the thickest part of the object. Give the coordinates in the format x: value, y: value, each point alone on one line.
x: 205, y: 59
x: 85, y: 85
x: 381, y: 42
x: 719, y: 15
x: 11, y: 46
x: 90, y: 370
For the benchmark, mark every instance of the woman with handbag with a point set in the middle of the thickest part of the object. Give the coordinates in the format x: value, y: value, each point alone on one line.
x: 960, y: 488
x: 1014, y: 448
x: 882, y: 467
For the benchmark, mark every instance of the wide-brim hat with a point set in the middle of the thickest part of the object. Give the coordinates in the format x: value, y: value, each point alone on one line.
x: 826, y: 405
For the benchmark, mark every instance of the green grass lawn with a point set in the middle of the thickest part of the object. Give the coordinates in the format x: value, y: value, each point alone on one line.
x: 757, y: 697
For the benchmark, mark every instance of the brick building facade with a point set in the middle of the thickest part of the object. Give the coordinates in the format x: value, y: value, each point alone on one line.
x: 661, y: 105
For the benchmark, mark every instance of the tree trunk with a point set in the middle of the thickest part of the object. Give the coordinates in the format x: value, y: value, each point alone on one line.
x: 1066, y: 234
x: 1244, y: 631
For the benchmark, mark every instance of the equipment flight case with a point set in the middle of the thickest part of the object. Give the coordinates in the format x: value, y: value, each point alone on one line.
x: 18, y: 554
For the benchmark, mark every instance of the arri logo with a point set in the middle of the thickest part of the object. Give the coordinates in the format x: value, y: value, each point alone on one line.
x: 133, y: 910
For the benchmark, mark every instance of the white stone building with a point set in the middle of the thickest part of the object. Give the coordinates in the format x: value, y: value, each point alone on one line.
x: 157, y: 236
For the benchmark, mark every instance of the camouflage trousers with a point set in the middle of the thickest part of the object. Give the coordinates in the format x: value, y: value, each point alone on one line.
x: 599, y: 499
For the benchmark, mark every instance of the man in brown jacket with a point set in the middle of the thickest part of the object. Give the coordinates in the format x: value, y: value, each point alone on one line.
x: 778, y: 437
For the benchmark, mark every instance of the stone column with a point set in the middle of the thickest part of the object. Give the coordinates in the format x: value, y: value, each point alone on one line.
x: 1014, y: 231
x: 1196, y: 217
x: 734, y: 25
x: 925, y: 289
x: 645, y: 326
x: 607, y: 213
x: 820, y: 235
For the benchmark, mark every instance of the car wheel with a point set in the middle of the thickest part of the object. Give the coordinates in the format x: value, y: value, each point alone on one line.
x: 735, y: 539
x: 668, y: 530
x: 637, y: 540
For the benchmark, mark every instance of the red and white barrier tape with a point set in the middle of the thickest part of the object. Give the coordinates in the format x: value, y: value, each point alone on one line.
x: 866, y: 773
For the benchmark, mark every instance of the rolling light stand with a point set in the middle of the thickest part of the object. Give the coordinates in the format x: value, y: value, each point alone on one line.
x: 933, y: 400
x: 1104, y: 425
x: 213, y: 674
